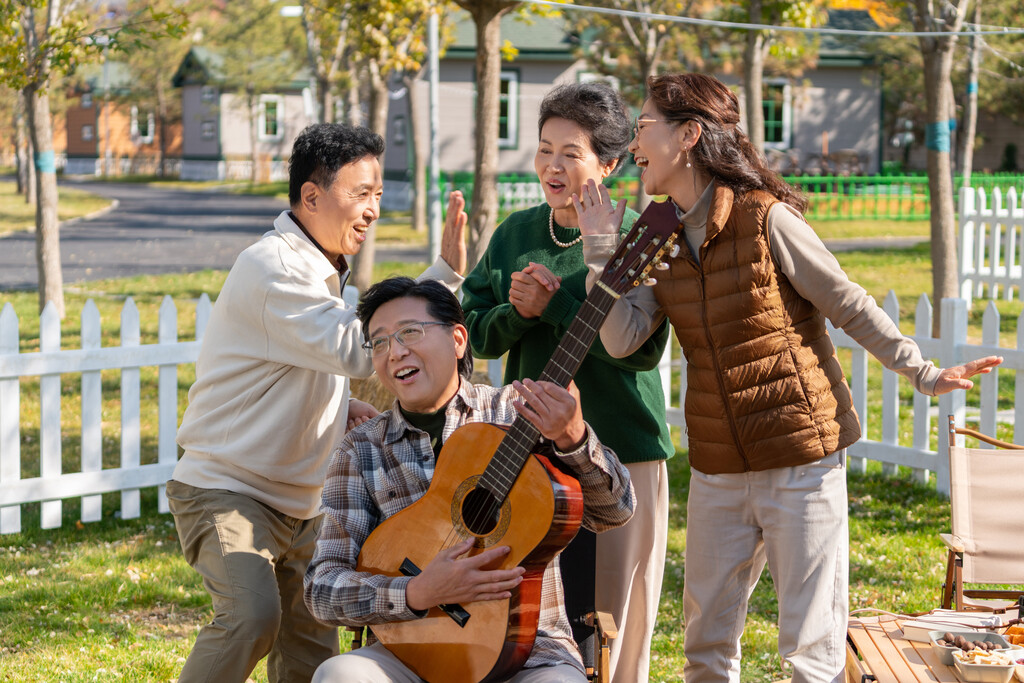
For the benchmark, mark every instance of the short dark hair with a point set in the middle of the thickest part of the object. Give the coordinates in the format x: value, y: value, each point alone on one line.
x: 598, y: 109
x: 322, y: 148
x: 441, y: 305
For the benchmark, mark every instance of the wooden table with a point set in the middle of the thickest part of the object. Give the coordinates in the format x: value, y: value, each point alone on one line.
x: 877, y: 651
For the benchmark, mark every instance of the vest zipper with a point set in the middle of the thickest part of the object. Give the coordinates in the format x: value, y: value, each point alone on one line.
x: 718, y: 367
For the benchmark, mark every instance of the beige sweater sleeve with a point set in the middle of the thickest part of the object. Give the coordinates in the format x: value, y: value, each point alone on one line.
x: 817, y: 276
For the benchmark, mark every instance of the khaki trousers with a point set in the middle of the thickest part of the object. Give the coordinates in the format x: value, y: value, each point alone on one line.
x: 794, y: 519
x: 630, y: 567
x: 252, y: 559
x: 375, y: 664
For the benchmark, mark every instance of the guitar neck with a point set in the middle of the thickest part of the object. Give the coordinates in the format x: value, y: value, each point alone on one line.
x: 522, y: 436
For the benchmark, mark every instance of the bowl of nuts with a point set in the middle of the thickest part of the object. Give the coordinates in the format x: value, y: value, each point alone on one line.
x: 978, y: 666
x: 945, y: 643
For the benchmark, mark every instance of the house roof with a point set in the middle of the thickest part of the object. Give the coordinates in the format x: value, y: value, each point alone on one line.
x: 848, y: 50
x: 536, y: 38
x: 201, y: 65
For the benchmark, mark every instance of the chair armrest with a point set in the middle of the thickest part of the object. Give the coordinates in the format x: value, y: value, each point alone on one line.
x: 605, y: 623
x: 952, y: 542
x: 966, y: 431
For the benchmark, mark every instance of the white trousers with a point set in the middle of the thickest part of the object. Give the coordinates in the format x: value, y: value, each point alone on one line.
x: 375, y: 664
x: 630, y: 567
x: 795, y: 520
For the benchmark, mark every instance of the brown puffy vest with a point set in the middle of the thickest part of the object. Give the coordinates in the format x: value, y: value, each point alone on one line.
x: 764, y: 386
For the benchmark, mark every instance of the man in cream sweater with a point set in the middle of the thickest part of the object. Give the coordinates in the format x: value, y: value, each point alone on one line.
x: 269, y: 403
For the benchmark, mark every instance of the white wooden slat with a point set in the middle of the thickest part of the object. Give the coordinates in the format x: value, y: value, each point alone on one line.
x: 131, y: 440
x: 859, y: 388
x: 890, y: 390
x: 78, y: 360
x: 989, y: 384
x: 167, y: 417
x: 49, y: 418
x: 92, y: 412
x: 84, y: 483
x: 954, y: 332
x: 10, y: 421
x: 203, y: 309
x: 922, y: 403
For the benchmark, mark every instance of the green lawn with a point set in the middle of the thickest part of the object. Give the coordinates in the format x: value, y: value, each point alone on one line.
x: 114, y: 600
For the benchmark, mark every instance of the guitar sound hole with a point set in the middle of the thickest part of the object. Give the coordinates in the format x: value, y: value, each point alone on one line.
x: 480, y: 511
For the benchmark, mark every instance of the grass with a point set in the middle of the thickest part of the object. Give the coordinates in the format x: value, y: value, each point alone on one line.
x: 114, y: 600
x: 16, y: 215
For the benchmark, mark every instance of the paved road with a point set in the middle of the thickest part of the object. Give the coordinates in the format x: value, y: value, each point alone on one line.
x: 153, y: 230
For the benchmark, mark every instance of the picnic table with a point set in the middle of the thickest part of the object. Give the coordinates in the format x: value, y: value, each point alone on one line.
x: 877, y: 651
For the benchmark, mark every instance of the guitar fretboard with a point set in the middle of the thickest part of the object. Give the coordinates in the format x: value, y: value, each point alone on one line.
x: 522, y: 437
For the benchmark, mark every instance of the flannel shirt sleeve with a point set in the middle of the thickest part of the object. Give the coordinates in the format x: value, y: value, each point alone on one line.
x: 335, y: 592
x: 608, y: 497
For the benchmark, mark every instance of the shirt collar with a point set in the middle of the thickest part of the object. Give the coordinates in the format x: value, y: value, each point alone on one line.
x: 465, y: 401
x: 292, y: 231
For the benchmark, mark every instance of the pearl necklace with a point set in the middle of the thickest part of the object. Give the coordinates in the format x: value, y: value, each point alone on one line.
x: 551, y: 230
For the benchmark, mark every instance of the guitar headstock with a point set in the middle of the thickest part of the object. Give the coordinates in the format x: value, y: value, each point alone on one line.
x: 653, y: 233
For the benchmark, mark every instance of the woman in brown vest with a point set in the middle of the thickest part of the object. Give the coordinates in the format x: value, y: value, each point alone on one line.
x: 768, y: 411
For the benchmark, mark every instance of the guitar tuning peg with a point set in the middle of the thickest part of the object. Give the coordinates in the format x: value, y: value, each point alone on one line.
x: 674, y: 251
x: 660, y: 265
x: 650, y: 281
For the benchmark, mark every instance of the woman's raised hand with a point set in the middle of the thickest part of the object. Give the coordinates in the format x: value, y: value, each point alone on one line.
x: 595, y: 211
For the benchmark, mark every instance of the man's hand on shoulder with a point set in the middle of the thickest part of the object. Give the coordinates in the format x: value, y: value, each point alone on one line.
x: 450, y: 577
x: 453, y: 241
x: 360, y: 412
x: 555, y: 411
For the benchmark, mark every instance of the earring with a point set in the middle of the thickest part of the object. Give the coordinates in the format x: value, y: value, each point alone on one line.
x: 687, y: 157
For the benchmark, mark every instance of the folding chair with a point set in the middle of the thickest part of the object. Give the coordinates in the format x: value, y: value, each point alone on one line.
x: 986, y: 545
x: 592, y: 630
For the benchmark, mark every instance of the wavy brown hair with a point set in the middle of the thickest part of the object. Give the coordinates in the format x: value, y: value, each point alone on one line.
x: 723, y: 150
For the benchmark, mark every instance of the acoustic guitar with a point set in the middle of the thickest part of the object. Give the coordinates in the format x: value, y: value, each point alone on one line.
x: 490, y: 486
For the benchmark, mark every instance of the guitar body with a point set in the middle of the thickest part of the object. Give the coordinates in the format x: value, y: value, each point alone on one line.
x: 539, y: 517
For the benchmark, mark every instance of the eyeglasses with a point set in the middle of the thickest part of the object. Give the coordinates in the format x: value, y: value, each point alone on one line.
x: 407, y: 336
x: 637, y: 122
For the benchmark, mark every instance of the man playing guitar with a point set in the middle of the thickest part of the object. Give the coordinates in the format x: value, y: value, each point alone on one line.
x: 417, y: 339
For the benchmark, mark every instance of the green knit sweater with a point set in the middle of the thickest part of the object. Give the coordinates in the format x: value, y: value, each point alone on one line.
x: 622, y: 398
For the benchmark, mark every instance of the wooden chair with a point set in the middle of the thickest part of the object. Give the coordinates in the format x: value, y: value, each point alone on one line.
x: 986, y: 545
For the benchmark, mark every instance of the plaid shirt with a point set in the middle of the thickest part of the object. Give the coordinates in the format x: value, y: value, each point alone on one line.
x: 386, y: 464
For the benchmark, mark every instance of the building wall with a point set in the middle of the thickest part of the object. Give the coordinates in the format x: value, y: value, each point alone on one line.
x: 235, y: 127
x: 456, y: 113
x: 995, y: 133
x: 194, y: 113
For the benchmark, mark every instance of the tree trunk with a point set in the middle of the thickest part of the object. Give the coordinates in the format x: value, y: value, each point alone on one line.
x: 20, y: 147
x: 362, y: 269
x: 937, y: 67
x: 161, y: 112
x: 484, y: 202
x: 753, y: 77
x: 254, y: 122
x: 419, y: 161
x: 40, y: 127
x: 966, y: 141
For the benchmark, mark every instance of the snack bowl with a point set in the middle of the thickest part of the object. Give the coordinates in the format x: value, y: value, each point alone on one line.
x: 1018, y: 671
x: 945, y: 652
x: 983, y: 673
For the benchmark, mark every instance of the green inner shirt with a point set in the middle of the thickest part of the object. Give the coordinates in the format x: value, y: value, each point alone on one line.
x: 431, y: 423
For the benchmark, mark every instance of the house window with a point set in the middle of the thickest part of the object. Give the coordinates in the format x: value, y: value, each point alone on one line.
x: 208, y: 93
x: 142, y: 127
x: 86, y: 100
x: 271, y: 123
x: 778, y: 112
x: 508, y: 111
x: 87, y: 132
x: 209, y: 130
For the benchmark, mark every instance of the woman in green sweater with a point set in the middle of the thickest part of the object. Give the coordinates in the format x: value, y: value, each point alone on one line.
x: 521, y: 298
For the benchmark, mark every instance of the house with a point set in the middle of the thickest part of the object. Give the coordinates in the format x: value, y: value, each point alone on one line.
x: 107, y: 133
x: 219, y: 141
x: 831, y: 115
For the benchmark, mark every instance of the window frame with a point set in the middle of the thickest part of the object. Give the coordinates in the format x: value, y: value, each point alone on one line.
x: 263, y: 136
x: 135, y: 128
x: 511, y: 118
x: 785, y: 121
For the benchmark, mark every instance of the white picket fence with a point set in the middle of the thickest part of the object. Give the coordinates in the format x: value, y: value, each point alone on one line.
x: 53, y: 484
x: 991, y: 243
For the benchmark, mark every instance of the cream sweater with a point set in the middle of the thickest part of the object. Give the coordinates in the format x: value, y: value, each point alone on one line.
x: 269, y: 402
